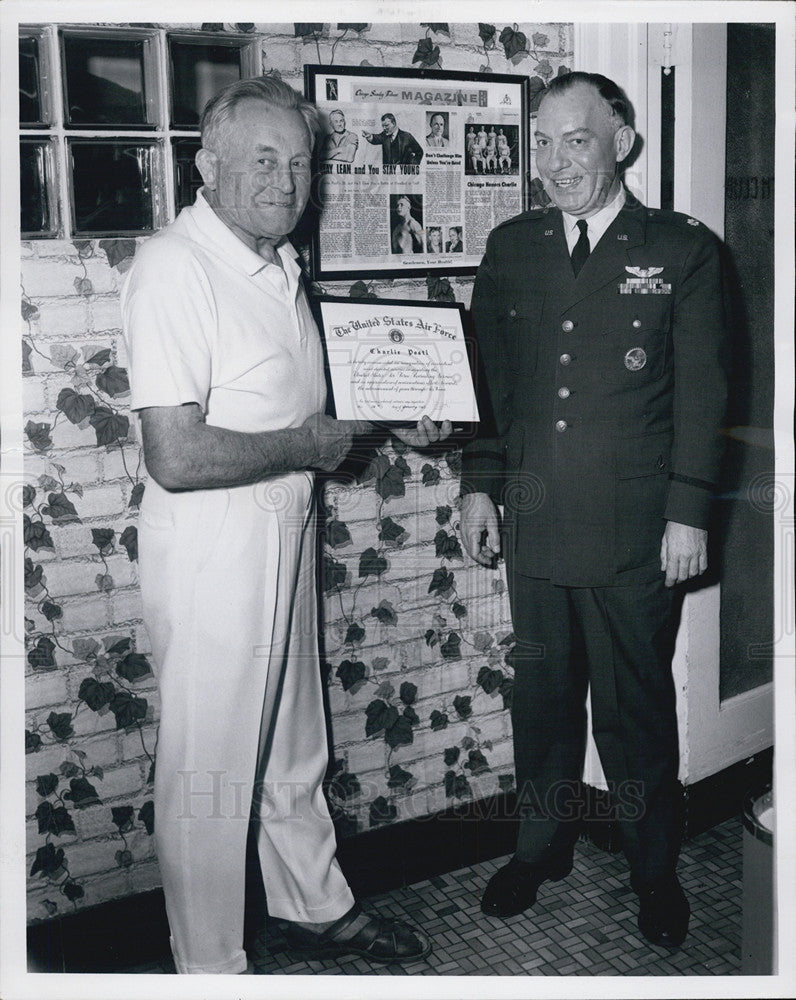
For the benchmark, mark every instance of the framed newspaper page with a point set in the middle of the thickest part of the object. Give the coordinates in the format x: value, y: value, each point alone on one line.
x: 392, y: 361
x: 414, y: 168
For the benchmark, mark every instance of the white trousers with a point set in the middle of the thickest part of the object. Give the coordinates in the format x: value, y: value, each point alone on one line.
x: 228, y: 585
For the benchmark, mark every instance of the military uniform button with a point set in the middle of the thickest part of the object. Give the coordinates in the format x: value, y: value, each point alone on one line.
x: 636, y: 324
x: 565, y: 359
x: 512, y: 313
x: 561, y: 425
x: 567, y: 326
x: 563, y: 392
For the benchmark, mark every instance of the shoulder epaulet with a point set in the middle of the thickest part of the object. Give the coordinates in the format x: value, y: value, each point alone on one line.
x: 532, y: 215
x: 676, y: 218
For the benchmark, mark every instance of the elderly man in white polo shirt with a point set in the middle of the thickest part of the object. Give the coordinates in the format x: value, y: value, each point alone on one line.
x: 227, y: 379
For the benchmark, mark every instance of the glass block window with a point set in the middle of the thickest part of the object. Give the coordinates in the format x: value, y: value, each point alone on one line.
x: 110, y: 118
x: 37, y: 204
x: 112, y: 185
x: 199, y: 70
x: 105, y: 81
x: 187, y: 179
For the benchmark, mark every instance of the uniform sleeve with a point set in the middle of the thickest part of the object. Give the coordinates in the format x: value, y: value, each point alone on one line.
x: 169, y: 323
x: 700, y: 338
x: 483, y: 459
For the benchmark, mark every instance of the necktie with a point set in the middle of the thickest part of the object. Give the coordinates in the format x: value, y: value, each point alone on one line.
x: 581, y: 250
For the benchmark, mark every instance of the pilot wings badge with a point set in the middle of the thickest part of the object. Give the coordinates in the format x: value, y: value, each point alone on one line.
x: 644, y: 281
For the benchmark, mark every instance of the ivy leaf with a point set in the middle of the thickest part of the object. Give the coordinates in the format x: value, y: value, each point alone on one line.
x: 371, y: 563
x: 82, y: 793
x: 32, y: 742
x: 136, y: 495
x: 69, y: 769
x: 334, y: 574
x: 212, y: 26
x: 39, y: 435
x: 513, y: 42
x: 104, y: 582
x: 505, y: 782
x: 83, y: 286
x: 399, y: 778
x: 35, y: 534
x: 380, y: 662
x: 48, y: 484
x: 359, y: 290
x: 441, y: 582
x: 46, y: 784
x: 476, y: 762
x: 101, y: 357
x: 441, y: 27
x: 379, y: 714
x: 375, y: 468
x: 431, y: 637
x: 354, y: 634
x: 391, y: 484
x: 124, y: 858
x: 117, y: 250
x: 42, y: 656
x: 54, y: 819
x: 426, y: 53
x: 94, y: 693
x: 399, y: 734
x: 123, y: 818
x: 133, y: 666
x: 447, y: 546
x: 345, y: 785
x: 482, y: 641
x: 443, y: 514
x: 27, y: 350
x: 245, y: 26
x: 128, y: 709
x: 462, y: 706
x: 108, y: 426
x: 72, y: 890
x: 459, y: 610
x: 305, y: 30
x: 52, y: 611
x: 33, y: 576
x: 539, y: 40
x: 408, y: 693
x: 146, y: 815
x: 489, y: 680
x: 385, y: 613
x: 28, y: 494
x: 337, y: 534
x: 49, y: 861
x: 536, y: 89
x: 350, y: 672
x: 74, y: 406
x: 352, y: 27
x: 381, y: 811
x: 486, y: 33
x: 507, y: 692
x: 410, y: 714
x: 113, y: 381
x: 61, y: 509
x: 451, y: 755
x: 64, y: 356
x: 391, y: 532
x: 457, y: 786
x: 129, y: 539
x: 117, y: 647
x: 451, y: 648
x: 103, y: 539
x: 439, y: 290
x: 430, y: 474
x: 439, y: 720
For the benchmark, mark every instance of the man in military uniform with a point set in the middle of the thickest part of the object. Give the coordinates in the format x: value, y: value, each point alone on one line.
x: 600, y: 324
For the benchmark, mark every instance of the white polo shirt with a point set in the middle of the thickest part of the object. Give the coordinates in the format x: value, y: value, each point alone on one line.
x: 206, y: 320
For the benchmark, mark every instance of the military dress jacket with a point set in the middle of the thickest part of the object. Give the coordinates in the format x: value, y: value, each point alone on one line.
x: 608, y: 391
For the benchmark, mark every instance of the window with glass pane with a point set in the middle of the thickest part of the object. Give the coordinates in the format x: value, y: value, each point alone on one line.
x: 198, y: 72
x: 187, y: 179
x: 111, y: 187
x: 36, y: 214
x: 31, y: 111
x: 105, y: 81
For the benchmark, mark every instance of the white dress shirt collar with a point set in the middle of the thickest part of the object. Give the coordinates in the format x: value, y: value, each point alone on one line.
x: 598, y: 223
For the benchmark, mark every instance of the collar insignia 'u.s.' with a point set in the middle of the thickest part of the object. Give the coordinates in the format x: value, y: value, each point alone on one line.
x: 644, y: 281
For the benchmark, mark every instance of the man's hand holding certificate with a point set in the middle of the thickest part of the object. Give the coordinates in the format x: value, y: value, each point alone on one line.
x: 397, y: 362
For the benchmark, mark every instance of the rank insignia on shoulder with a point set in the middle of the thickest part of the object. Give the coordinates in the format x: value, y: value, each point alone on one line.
x: 693, y: 222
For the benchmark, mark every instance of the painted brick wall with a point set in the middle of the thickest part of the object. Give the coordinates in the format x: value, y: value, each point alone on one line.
x: 415, y: 633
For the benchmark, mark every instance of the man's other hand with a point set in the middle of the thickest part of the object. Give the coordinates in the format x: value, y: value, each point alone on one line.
x: 684, y: 552
x: 425, y: 433
x: 479, y: 515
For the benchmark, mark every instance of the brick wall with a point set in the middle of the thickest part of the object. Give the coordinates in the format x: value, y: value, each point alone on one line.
x: 414, y: 631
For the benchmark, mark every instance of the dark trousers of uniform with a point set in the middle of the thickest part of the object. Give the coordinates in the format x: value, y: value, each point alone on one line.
x: 617, y: 641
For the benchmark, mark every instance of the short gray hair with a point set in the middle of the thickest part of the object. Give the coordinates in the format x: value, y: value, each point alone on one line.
x: 275, y: 92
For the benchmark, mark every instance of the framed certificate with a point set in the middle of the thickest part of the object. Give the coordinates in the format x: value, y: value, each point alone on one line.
x: 415, y: 168
x: 392, y: 361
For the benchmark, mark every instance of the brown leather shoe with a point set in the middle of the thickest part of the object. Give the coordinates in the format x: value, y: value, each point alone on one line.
x: 513, y: 887
x: 381, y: 940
